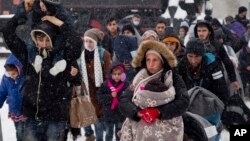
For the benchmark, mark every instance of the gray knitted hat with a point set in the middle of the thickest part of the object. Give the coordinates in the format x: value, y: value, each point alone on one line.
x: 95, y: 34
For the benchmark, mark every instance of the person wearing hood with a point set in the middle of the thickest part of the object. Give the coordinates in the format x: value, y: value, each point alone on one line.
x: 46, y: 98
x: 156, y: 97
x: 109, y: 96
x: 136, y: 23
x: 94, y: 64
x: 173, y: 43
x: 10, y: 90
x: 39, y: 9
x: 205, y: 33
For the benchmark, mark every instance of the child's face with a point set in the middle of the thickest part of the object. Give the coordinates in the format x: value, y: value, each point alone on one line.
x: 116, y: 75
x: 13, y: 74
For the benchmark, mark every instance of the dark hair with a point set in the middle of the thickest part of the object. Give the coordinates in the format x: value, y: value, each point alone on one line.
x: 242, y: 9
x: 128, y: 27
x: 38, y: 33
x: 137, y: 16
x: 111, y: 20
x: 161, y: 20
x: 10, y: 67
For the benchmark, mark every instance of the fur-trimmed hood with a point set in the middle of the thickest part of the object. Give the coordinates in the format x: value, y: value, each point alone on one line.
x: 157, y: 46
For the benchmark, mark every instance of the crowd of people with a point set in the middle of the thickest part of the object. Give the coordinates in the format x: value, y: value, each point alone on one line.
x: 137, y: 78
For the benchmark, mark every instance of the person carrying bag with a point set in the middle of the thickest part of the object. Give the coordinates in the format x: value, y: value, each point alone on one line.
x: 82, y: 111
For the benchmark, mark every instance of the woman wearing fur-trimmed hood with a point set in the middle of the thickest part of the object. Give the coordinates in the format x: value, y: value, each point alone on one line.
x: 159, y: 96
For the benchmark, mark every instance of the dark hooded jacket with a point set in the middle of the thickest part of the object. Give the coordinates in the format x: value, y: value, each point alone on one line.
x: 46, y: 97
x: 167, y: 111
x: 211, y: 76
x: 217, y: 49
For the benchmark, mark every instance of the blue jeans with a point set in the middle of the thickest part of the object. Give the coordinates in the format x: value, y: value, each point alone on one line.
x: 44, y: 130
x: 19, y: 130
x: 99, y: 129
x: 109, y: 126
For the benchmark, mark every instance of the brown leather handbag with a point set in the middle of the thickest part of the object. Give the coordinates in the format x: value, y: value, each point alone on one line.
x: 82, y: 111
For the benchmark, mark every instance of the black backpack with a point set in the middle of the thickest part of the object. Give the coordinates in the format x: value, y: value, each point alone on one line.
x: 236, y: 112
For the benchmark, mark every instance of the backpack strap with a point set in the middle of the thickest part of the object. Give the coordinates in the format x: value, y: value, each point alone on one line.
x: 101, y: 51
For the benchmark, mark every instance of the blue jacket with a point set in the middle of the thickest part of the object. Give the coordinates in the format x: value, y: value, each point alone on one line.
x: 11, y: 89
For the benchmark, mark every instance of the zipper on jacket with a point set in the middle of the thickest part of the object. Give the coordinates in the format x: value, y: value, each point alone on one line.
x: 38, y: 94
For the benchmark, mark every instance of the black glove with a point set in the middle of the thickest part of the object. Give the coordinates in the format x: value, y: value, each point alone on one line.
x: 155, y: 85
x: 21, y: 14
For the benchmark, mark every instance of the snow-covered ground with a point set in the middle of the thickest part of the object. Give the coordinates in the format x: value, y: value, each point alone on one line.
x: 8, y: 129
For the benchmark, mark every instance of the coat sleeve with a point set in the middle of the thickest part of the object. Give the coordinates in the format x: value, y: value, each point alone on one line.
x: 73, y: 45
x: 243, y: 61
x: 14, y: 43
x: 228, y: 64
x: 104, y: 96
x: 179, y: 105
x: 127, y: 107
x: 3, y: 92
x: 218, y: 83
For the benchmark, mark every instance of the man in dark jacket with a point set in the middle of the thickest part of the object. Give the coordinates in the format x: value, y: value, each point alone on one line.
x: 204, y: 32
x: 46, y: 97
x: 241, y: 16
x: 198, y: 68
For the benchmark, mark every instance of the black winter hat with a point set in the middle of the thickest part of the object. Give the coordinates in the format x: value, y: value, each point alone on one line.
x: 195, y: 46
x: 128, y: 27
x: 242, y: 9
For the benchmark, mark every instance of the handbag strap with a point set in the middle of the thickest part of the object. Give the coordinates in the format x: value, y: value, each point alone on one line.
x: 238, y: 91
x: 83, y: 90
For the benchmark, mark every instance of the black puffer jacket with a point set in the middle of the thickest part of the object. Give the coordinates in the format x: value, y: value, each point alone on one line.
x: 46, y: 97
x: 175, y: 108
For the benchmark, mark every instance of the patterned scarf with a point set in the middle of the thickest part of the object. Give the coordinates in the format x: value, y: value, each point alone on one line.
x: 97, y: 69
x: 113, y: 89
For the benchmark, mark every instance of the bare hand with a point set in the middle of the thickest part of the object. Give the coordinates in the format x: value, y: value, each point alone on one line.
x: 235, y: 85
x: 54, y: 20
x: 28, y: 4
x: 132, y: 87
x: 114, y: 94
x: 248, y: 68
x: 73, y: 71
